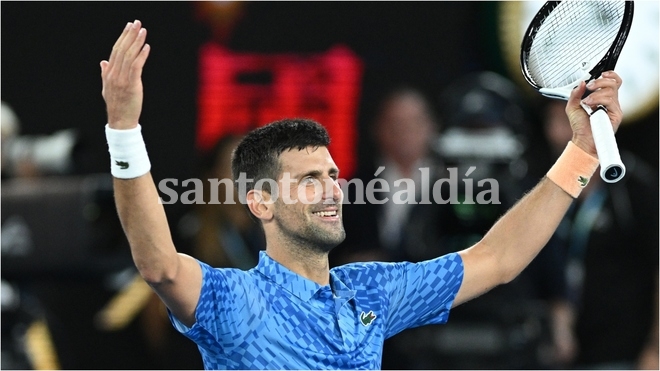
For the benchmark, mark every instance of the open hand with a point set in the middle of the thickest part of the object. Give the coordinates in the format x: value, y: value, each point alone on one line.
x: 122, y: 77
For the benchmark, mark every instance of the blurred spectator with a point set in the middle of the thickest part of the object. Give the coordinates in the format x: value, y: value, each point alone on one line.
x: 404, y: 128
x: 222, y: 234
x: 32, y: 156
x: 22, y: 312
x: 610, y: 241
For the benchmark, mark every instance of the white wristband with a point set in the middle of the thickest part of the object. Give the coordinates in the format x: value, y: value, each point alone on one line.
x: 128, y: 153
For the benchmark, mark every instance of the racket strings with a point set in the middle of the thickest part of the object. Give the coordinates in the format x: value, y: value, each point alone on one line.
x: 572, y: 39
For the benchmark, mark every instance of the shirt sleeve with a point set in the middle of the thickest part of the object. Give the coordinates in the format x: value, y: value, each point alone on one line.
x: 422, y: 293
x: 213, y: 319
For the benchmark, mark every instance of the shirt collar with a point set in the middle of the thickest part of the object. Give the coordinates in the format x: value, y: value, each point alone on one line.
x: 296, y: 284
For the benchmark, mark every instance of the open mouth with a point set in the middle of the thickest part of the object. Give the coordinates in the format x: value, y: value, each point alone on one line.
x: 328, y: 214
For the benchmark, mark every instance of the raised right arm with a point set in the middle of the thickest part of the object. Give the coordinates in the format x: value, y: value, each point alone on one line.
x: 175, y: 277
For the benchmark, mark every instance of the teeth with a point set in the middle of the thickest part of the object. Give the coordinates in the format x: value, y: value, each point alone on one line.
x: 326, y: 213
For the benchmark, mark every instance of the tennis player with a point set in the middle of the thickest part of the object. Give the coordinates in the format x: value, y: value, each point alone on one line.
x: 291, y: 311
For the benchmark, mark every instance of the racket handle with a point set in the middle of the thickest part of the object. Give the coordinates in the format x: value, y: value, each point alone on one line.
x: 611, y: 166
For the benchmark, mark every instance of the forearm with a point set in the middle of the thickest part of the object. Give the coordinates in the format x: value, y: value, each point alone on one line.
x: 513, y: 242
x: 525, y: 229
x: 145, y: 224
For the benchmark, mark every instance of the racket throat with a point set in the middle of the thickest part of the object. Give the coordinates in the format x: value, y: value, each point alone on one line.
x: 564, y: 92
x: 556, y: 93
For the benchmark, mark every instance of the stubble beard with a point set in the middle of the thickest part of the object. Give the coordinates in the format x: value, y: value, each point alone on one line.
x: 312, y: 236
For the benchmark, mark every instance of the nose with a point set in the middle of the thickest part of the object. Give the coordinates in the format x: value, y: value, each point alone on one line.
x: 332, y: 191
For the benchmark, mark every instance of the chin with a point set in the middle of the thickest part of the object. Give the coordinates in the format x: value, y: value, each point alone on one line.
x: 327, y: 244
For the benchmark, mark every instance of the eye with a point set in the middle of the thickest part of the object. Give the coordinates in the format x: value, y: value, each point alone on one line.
x: 308, y: 180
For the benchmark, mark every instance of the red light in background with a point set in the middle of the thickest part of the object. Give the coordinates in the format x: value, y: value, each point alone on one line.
x: 241, y: 91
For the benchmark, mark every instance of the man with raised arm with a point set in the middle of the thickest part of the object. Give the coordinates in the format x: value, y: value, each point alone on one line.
x: 292, y: 311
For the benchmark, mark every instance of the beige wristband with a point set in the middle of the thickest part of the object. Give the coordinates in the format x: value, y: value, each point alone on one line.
x: 573, y: 169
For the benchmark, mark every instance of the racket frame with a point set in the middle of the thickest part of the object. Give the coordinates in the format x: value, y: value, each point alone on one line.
x: 606, y: 63
x: 612, y: 168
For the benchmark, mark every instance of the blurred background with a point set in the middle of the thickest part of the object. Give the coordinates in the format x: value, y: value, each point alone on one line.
x: 70, y: 295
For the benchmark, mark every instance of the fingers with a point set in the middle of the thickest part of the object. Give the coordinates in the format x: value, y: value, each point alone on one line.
x: 604, y: 89
x: 126, y: 49
x: 577, y: 93
x: 115, y: 48
x: 605, y: 92
x: 122, y: 76
x: 134, y: 44
x: 612, y: 76
x: 138, y: 64
x: 573, y: 106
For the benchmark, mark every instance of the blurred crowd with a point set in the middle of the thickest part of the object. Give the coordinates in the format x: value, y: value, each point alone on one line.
x: 588, y: 301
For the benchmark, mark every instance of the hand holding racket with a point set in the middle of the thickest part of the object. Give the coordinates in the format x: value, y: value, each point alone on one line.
x: 568, y: 42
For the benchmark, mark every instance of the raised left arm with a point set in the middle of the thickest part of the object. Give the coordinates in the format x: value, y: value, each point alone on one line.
x: 516, y: 238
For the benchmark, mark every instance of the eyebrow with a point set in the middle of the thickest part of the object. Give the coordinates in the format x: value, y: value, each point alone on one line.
x: 317, y: 173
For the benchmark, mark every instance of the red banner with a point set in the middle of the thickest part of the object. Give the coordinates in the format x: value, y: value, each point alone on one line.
x: 241, y: 91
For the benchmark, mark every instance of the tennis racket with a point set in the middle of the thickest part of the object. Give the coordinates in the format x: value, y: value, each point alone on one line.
x: 572, y: 41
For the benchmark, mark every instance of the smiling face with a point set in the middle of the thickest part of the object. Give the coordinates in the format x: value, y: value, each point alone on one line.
x: 307, y: 212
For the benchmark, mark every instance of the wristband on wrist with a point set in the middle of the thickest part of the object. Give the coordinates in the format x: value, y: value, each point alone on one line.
x: 128, y: 153
x: 573, y: 170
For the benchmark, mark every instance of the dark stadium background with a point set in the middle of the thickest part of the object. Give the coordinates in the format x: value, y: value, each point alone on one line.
x: 51, y: 78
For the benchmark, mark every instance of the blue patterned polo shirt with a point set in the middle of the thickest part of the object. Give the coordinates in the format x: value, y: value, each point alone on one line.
x: 271, y: 318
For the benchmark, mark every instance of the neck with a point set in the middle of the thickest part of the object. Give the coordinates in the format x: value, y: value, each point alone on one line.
x: 302, y: 261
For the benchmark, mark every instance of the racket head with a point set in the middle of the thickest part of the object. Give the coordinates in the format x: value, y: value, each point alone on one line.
x: 571, y: 41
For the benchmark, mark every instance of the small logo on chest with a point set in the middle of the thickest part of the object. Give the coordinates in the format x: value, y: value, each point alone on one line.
x: 367, y: 318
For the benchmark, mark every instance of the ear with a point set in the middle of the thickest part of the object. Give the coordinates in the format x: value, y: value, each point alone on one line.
x: 259, y: 204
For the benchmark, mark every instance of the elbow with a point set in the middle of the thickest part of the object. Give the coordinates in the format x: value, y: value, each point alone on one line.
x: 504, y: 265
x: 508, y: 276
x: 156, y: 274
x: 508, y: 271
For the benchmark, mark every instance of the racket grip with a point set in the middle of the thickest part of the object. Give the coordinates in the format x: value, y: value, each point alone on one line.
x: 611, y: 166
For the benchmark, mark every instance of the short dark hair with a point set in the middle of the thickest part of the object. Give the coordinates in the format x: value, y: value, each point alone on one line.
x: 257, y: 155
